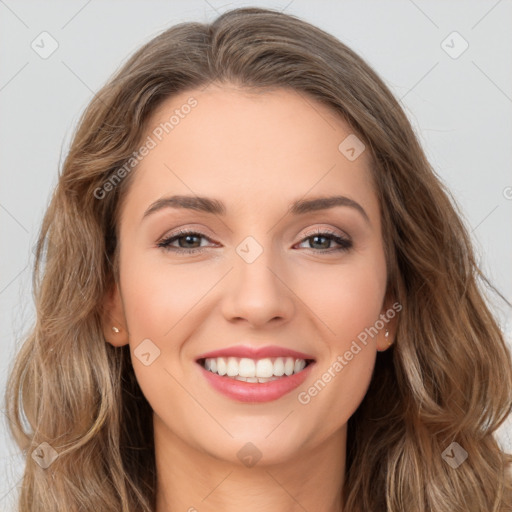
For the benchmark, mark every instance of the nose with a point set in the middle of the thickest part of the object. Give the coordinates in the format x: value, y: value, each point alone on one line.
x: 257, y: 293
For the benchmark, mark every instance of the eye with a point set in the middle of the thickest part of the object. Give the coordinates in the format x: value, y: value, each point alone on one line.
x: 190, y: 239
x: 188, y: 242
x: 323, y: 238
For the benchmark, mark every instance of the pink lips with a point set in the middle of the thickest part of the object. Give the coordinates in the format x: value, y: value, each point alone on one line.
x: 256, y: 392
x: 255, y: 353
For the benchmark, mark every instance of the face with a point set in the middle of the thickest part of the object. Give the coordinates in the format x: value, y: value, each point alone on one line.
x: 256, y: 278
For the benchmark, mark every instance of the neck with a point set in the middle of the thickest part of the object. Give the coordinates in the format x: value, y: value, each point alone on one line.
x: 191, y: 480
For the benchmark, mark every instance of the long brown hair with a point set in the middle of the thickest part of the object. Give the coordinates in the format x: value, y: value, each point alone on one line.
x: 447, y: 379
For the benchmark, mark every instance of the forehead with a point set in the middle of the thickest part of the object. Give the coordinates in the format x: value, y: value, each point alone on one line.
x: 257, y: 150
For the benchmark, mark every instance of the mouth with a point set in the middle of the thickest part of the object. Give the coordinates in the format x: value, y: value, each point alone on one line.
x: 254, y: 371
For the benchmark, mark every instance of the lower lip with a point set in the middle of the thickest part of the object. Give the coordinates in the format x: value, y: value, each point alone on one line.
x: 253, y: 391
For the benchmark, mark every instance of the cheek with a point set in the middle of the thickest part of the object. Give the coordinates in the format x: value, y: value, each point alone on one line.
x: 348, y: 301
x: 157, y: 297
x: 336, y: 393
x: 346, y: 298
x: 159, y: 302
x: 350, y: 304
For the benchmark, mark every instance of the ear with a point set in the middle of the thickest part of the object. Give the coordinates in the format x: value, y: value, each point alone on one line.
x: 389, y: 317
x: 113, y: 319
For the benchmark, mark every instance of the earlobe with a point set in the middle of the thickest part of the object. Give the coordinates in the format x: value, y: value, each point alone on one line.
x: 117, y: 336
x: 385, y: 340
x: 113, y: 319
x: 387, y: 335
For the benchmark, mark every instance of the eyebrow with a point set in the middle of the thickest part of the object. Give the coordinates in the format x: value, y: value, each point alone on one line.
x: 216, y: 207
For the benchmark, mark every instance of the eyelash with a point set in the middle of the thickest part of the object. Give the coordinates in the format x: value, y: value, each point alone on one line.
x: 344, y: 243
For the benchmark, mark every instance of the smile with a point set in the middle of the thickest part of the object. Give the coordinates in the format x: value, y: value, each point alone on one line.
x: 254, y: 380
x: 254, y: 370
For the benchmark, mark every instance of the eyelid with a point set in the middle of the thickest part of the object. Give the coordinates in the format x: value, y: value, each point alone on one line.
x: 326, y: 230
x: 181, y: 232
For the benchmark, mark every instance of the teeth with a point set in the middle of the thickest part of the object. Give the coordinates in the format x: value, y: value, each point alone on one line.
x: 299, y: 365
x: 221, y: 366
x: 264, y: 368
x: 255, y: 379
x: 247, y: 368
x: 279, y: 367
x: 251, y: 370
x: 232, y: 367
x: 289, y: 365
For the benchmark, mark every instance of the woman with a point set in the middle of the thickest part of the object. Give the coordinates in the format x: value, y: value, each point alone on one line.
x: 324, y: 346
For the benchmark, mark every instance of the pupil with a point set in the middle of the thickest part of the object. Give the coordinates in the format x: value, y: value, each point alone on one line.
x: 316, y: 237
x: 188, y: 238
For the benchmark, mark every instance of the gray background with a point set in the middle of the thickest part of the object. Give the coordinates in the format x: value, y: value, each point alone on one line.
x: 460, y: 108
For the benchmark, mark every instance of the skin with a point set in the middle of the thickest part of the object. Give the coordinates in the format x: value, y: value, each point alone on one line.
x: 257, y: 153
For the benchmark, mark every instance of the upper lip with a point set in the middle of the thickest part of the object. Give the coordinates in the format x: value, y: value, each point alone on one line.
x: 255, y: 352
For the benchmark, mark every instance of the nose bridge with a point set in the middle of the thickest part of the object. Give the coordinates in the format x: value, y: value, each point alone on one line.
x: 255, y: 291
